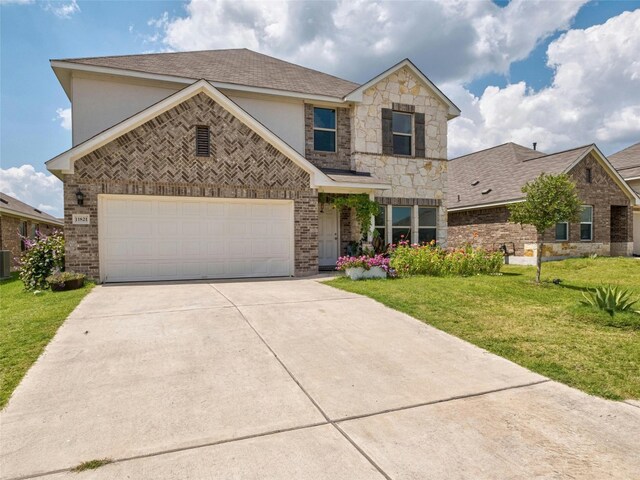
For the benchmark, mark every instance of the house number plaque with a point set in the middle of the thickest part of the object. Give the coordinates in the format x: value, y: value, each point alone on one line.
x: 81, y: 219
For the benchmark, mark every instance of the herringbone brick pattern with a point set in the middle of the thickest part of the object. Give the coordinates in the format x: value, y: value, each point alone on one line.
x: 158, y: 158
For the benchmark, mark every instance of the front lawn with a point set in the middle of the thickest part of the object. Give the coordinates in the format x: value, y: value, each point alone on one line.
x: 28, y: 321
x: 543, y: 328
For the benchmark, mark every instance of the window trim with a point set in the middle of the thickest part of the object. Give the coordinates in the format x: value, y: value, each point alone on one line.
x: 377, y: 226
x: 590, y: 239
x: 566, y: 239
x: 402, y: 134
x: 408, y: 236
x: 433, y: 227
x: 322, y: 129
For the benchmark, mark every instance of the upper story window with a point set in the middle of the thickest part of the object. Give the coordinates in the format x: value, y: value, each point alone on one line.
x: 324, y: 129
x: 401, y: 128
x: 588, y: 177
x: 586, y: 223
x: 203, y: 141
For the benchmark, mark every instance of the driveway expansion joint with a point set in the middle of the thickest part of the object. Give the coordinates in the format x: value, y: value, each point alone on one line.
x: 311, y: 399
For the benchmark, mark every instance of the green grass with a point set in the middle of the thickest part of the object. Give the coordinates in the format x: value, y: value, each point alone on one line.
x: 27, y: 323
x: 92, y: 465
x: 541, y: 327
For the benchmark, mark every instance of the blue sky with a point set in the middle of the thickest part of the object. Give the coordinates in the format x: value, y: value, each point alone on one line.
x: 499, y: 54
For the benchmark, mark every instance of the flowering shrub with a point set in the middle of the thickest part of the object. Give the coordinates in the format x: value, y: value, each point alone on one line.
x: 363, y: 261
x: 429, y: 259
x: 41, y: 257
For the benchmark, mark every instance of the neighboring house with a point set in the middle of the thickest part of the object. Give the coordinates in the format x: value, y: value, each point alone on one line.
x: 210, y: 164
x: 17, y: 220
x: 627, y: 162
x: 482, y: 184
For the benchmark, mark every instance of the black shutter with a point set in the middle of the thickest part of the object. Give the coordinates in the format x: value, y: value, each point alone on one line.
x: 203, y: 147
x: 387, y: 134
x: 419, y: 128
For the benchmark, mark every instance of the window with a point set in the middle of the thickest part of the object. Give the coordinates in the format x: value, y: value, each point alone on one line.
x: 562, y: 232
x: 586, y: 223
x: 23, y: 235
x: 324, y: 130
x: 380, y: 223
x: 203, y: 141
x: 401, y: 224
x: 588, y: 175
x: 427, y: 221
x: 401, y: 126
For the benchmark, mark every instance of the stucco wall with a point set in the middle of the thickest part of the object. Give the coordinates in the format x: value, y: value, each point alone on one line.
x: 284, y: 117
x: 100, y: 102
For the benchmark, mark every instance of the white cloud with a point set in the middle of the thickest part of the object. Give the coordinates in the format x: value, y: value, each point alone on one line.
x: 594, y: 96
x: 357, y: 38
x: 64, y: 115
x: 62, y: 9
x: 41, y: 190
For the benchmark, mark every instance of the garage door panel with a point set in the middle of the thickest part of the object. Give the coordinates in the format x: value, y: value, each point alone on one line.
x: 176, y: 238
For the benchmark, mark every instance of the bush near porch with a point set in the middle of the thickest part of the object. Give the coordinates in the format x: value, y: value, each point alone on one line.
x: 543, y: 328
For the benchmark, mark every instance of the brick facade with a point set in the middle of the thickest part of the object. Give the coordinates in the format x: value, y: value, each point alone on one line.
x: 158, y: 158
x: 488, y: 228
x: 341, y: 158
x: 612, y: 221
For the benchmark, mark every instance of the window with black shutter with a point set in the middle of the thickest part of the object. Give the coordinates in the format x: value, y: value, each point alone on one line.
x: 203, y: 141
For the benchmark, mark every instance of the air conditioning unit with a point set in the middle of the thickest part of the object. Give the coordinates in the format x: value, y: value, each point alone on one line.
x: 5, y: 263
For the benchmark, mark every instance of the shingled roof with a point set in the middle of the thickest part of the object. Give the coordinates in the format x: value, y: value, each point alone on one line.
x: 497, y: 174
x: 627, y: 161
x: 233, y: 66
x: 13, y: 206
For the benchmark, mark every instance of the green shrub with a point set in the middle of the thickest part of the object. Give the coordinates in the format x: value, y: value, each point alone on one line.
x: 43, y: 255
x: 408, y: 260
x: 610, y: 298
x: 62, y: 277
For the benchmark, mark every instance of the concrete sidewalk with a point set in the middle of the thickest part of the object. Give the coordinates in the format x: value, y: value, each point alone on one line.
x: 293, y: 379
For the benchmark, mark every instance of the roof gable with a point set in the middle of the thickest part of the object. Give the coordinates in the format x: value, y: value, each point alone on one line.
x: 356, y: 94
x: 496, y: 175
x: 64, y: 163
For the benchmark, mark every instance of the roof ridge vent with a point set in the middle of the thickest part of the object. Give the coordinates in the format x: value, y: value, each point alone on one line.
x: 36, y: 210
x: 475, y: 182
x: 4, y: 201
x: 484, y: 192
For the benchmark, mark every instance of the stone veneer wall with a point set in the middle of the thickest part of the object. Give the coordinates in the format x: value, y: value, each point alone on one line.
x: 410, y: 177
x: 490, y: 227
x: 341, y: 158
x: 10, y: 235
x: 158, y: 158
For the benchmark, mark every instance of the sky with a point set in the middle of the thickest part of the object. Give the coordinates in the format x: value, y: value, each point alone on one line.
x: 559, y: 73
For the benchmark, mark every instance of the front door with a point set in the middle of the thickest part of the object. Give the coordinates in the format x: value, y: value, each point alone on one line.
x: 328, y: 237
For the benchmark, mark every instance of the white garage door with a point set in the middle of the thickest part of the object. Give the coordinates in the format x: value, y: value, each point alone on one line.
x: 173, y: 238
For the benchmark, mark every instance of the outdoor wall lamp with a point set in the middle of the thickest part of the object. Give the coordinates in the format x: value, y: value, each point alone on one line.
x: 80, y: 197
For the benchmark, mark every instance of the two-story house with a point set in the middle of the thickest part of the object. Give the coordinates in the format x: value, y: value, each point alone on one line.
x: 211, y: 164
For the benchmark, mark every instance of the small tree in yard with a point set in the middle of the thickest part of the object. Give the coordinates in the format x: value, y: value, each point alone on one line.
x: 550, y: 199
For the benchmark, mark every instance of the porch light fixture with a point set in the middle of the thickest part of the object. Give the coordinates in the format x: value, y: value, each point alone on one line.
x: 80, y: 197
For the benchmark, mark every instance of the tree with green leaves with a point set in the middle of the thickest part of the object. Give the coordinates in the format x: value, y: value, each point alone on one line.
x: 549, y: 199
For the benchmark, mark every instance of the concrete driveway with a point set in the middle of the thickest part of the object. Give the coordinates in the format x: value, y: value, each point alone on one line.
x: 293, y: 379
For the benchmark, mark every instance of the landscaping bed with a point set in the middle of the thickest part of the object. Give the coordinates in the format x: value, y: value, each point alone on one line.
x: 543, y: 328
x: 28, y: 321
